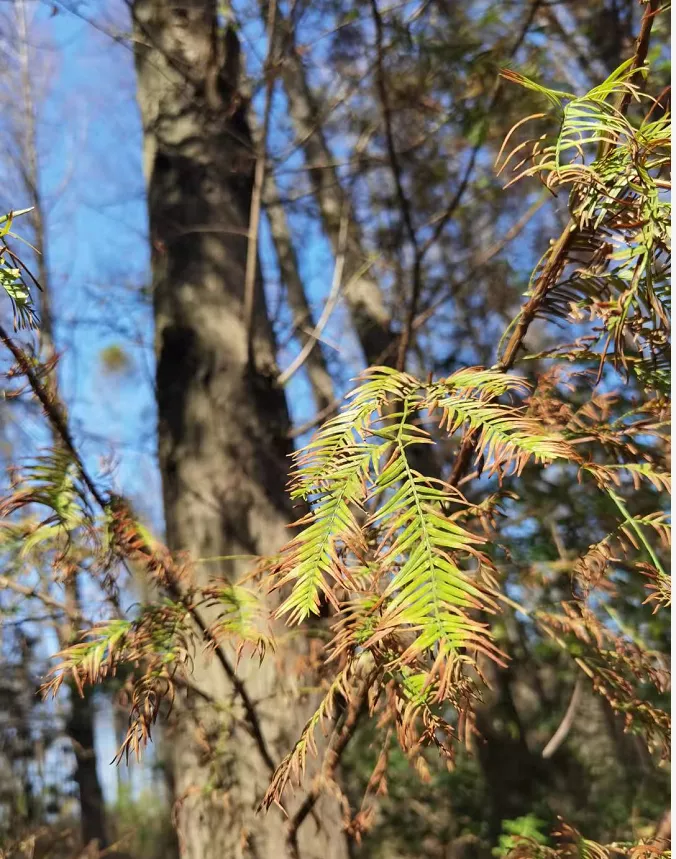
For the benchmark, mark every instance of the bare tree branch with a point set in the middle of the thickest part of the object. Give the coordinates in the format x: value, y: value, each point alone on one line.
x: 566, y: 723
x: 257, y: 194
x: 34, y: 593
x: 456, y: 199
x: 331, y: 301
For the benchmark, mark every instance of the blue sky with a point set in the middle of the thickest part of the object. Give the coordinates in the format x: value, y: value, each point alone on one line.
x: 99, y: 253
x: 90, y: 143
x: 90, y: 146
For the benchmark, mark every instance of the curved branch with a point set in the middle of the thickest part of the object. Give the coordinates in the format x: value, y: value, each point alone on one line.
x: 556, y: 259
x: 566, y: 723
x: 313, y: 336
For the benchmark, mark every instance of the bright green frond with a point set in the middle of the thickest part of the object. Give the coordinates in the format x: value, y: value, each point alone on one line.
x: 507, y: 436
x: 428, y: 592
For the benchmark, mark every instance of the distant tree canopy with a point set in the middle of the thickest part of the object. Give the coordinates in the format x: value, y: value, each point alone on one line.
x: 475, y: 591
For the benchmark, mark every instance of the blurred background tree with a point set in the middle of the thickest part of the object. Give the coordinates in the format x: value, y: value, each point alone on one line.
x: 366, y: 135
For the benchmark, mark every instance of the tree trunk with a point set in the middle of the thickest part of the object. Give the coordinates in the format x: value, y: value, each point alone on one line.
x: 512, y: 772
x: 222, y: 423
x: 80, y: 729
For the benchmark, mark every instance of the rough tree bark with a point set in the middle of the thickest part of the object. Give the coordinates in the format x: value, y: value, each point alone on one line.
x: 222, y: 422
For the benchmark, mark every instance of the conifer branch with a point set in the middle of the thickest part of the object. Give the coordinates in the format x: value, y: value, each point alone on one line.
x: 558, y: 254
x: 136, y: 544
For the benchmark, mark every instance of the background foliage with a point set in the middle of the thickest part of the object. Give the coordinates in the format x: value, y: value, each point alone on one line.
x: 480, y: 558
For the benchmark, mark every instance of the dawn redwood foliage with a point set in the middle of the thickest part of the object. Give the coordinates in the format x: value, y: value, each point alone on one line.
x: 416, y: 573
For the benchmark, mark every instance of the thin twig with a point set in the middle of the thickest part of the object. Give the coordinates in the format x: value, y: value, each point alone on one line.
x: 26, y: 591
x: 197, y: 690
x: 257, y: 193
x: 317, y: 419
x: 421, y: 252
x: 157, y: 563
x: 482, y: 259
x: 337, y: 745
x: 566, y: 723
x: 495, y: 95
x: 389, y: 133
x: 331, y: 301
x: 404, y: 204
x: 425, y: 315
x: 555, y: 262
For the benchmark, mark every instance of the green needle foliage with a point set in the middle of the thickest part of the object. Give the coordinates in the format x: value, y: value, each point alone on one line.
x: 403, y: 558
x: 410, y: 566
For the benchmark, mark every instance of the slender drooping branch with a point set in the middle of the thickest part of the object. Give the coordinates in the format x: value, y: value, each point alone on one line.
x: 53, y: 413
x: 287, y: 260
x: 334, y: 294
x: 557, y: 258
x: 159, y: 565
x: 338, y: 743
